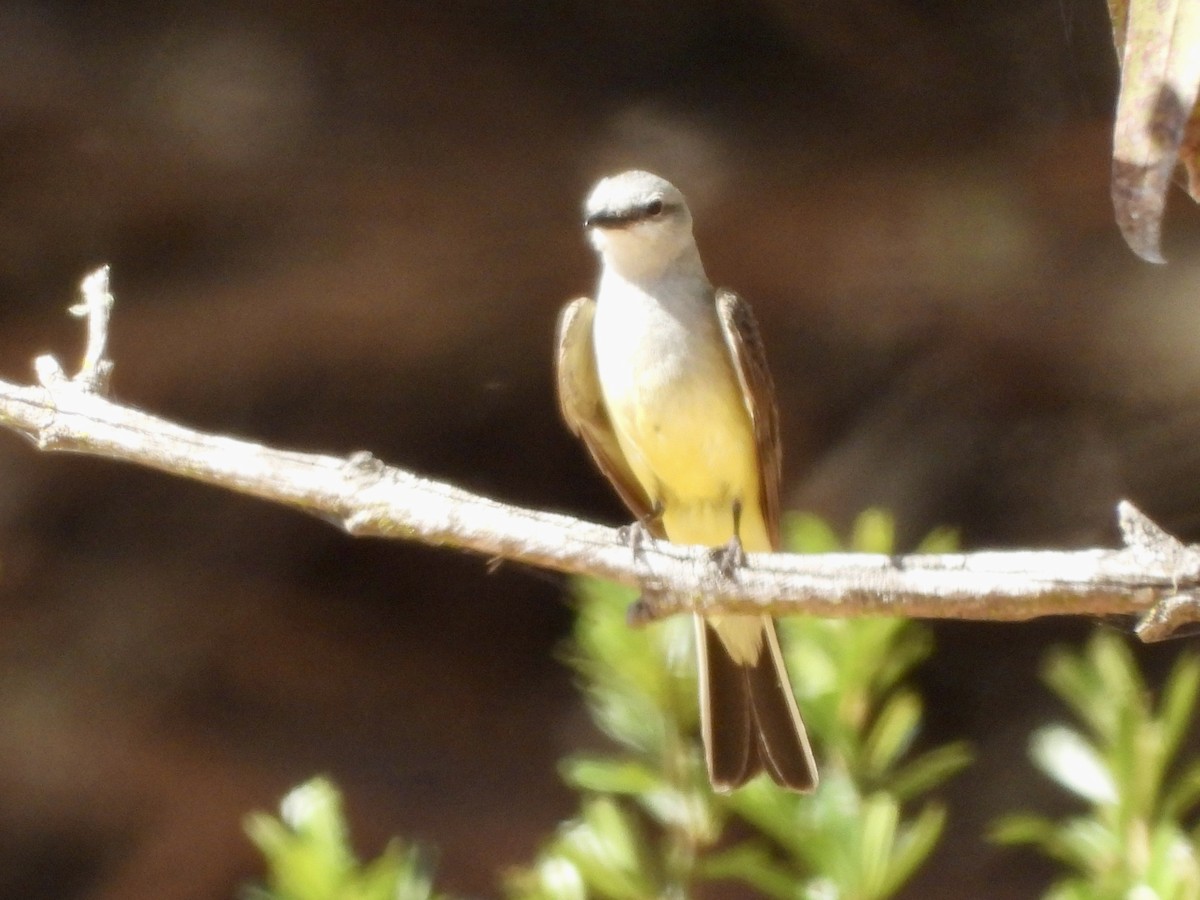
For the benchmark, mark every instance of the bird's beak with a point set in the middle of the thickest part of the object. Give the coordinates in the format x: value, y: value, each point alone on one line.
x: 608, y: 219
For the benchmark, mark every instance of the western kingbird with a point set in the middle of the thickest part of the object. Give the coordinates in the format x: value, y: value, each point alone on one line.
x: 665, y: 380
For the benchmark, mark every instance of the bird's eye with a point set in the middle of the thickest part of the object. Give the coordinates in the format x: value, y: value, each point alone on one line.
x: 655, y: 208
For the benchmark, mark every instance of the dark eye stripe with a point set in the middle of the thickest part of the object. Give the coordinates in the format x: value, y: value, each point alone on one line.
x: 658, y: 207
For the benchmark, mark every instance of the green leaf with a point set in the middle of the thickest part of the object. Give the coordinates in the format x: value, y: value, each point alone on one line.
x: 1120, y: 681
x: 806, y: 533
x: 774, y: 813
x: 1068, y: 758
x: 307, y: 852
x: 1183, y: 794
x: 1078, y: 842
x: 612, y: 776
x: 1086, y: 844
x: 874, y: 532
x: 940, y: 540
x: 1179, y: 702
x: 397, y: 874
x: 904, y: 646
x: 605, y: 847
x: 914, y: 844
x: 929, y: 770
x: 892, y: 734
x: 1077, y: 889
x: 1075, y: 682
x: 880, y: 816
x: 1173, y: 869
x: 1023, y: 828
x: 553, y: 877
x: 753, y: 864
x: 309, y: 857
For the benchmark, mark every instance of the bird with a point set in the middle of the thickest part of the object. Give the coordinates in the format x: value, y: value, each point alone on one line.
x: 664, y: 379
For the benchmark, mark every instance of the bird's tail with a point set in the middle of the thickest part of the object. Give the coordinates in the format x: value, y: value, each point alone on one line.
x: 749, y: 715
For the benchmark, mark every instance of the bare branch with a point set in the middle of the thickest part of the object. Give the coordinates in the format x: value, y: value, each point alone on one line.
x: 1153, y: 576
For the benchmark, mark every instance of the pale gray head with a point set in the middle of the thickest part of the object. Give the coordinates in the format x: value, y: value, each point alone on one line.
x: 639, y: 223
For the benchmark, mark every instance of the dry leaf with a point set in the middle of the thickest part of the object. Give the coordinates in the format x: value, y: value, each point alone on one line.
x: 1156, y: 125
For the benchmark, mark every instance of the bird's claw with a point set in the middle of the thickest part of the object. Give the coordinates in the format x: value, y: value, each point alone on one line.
x: 632, y: 535
x: 637, y: 533
x: 730, y: 557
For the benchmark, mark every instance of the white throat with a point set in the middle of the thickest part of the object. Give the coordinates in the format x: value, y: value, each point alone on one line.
x: 649, y: 259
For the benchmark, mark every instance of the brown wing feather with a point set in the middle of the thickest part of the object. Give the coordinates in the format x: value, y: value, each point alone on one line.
x: 582, y: 406
x: 750, y: 361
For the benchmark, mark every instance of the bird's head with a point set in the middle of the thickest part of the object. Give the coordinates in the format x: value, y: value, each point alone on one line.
x: 638, y: 222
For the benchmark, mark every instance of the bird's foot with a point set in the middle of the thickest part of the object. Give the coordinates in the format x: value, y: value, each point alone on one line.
x: 637, y: 533
x: 633, y: 535
x: 730, y: 557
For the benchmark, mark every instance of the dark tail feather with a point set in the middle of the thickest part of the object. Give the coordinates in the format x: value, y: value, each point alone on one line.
x: 782, y: 739
x: 725, y: 712
x: 749, y: 716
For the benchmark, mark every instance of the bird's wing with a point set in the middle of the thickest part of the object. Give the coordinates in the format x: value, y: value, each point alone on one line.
x: 582, y: 406
x: 750, y: 362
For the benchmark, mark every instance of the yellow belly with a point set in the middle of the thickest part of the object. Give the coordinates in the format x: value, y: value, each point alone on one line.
x: 691, y: 445
x: 677, y: 409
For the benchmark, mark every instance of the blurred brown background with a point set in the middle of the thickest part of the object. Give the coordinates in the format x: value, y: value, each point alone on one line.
x: 350, y: 226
